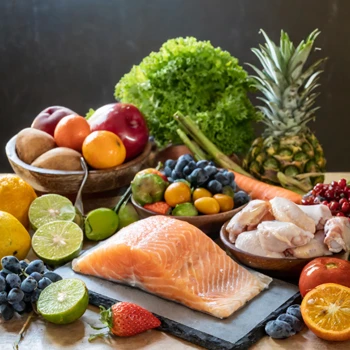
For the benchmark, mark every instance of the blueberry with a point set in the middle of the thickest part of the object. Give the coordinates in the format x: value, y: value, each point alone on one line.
x: 210, y: 170
x: 192, y: 165
x: 3, y: 297
x: 296, y: 324
x: 192, y: 178
x: 294, y: 310
x: 15, y: 296
x: 52, y: 276
x: 11, y: 264
x: 29, y: 284
x: 241, y: 198
x: 6, y: 311
x: 27, y: 297
x: 233, y: 185
x: 35, y: 295
x: 167, y: 171
x: 175, y: 175
x: 222, y: 178
x: 202, y: 177
x: 231, y: 176
x: 279, y: 329
x: 170, y: 163
x: 212, y: 163
x: 202, y: 164
x: 188, y: 157
x: 2, y: 283
x: 44, y: 282
x: 35, y: 266
x: 37, y: 276
x: 214, y: 187
x: 19, y: 307
x: 3, y: 273
x: 180, y: 165
x: 13, y: 280
x: 23, y: 264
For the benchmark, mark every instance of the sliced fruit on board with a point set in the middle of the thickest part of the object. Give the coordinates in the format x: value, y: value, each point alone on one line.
x: 326, y: 311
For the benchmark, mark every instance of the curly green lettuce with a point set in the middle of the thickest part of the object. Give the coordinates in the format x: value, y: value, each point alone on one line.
x: 198, y: 80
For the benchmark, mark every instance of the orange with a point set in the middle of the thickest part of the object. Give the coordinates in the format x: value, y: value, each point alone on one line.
x: 177, y: 193
x: 15, y: 197
x: 326, y: 311
x: 103, y: 149
x: 71, y: 132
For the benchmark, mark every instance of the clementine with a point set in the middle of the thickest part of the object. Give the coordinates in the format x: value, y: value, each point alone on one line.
x: 103, y: 149
x: 71, y: 132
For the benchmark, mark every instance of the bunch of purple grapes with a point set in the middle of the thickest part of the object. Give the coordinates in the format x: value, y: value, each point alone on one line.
x: 21, y: 284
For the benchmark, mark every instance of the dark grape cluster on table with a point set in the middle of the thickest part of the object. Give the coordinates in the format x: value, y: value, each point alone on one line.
x: 286, y: 324
x: 21, y: 283
x: 206, y: 175
x: 335, y: 195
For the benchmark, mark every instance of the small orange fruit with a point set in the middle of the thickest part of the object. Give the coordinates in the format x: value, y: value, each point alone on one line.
x: 103, y: 149
x: 71, y: 132
x: 207, y: 205
x: 326, y: 311
x: 177, y: 193
x: 226, y: 202
x: 200, y: 193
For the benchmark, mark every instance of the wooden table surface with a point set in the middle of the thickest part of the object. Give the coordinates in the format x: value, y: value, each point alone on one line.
x: 43, y: 335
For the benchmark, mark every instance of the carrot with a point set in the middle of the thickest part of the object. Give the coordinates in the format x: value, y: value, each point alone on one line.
x: 261, y: 190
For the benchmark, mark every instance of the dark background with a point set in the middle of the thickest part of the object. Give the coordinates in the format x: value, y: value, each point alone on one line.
x: 73, y: 52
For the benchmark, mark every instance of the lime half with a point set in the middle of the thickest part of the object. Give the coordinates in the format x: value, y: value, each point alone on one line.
x: 64, y: 301
x: 57, y: 242
x: 50, y: 207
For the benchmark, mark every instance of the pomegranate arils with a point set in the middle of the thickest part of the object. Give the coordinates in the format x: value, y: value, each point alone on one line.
x: 333, y: 206
x: 345, y: 207
x: 325, y: 203
x: 340, y: 214
x: 343, y: 200
x: 342, y: 183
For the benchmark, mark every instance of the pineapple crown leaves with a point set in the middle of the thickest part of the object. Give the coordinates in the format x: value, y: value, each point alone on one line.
x: 287, y: 89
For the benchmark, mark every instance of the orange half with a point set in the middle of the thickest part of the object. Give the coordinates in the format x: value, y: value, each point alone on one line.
x: 326, y: 311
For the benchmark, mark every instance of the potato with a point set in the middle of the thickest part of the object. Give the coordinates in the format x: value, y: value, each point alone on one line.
x: 32, y: 143
x: 60, y: 158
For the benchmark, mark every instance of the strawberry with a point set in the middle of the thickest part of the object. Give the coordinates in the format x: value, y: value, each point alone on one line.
x: 125, y: 319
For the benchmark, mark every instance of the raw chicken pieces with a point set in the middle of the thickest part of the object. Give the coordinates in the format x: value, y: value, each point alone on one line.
x: 279, y: 228
x: 337, y: 232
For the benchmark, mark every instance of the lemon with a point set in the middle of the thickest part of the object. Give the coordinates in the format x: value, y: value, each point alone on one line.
x: 15, y: 197
x: 14, y: 238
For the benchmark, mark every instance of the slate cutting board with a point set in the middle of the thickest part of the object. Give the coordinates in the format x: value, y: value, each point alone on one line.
x: 239, y: 331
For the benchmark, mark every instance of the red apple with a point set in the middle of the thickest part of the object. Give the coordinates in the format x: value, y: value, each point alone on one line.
x: 47, y: 119
x: 126, y: 121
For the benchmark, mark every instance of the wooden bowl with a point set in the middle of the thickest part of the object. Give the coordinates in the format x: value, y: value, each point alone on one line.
x: 68, y: 182
x: 209, y: 224
x: 283, y: 268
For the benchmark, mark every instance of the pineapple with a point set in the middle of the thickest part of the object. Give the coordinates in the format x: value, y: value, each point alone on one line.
x: 288, y: 153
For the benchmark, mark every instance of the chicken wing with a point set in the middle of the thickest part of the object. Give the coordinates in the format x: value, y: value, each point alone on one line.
x: 248, y: 218
x: 249, y: 242
x: 320, y: 213
x: 278, y: 236
x: 313, y: 249
x: 287, y: 211
x: 337, y: 230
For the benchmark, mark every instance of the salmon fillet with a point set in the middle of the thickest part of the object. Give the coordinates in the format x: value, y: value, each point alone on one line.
x: 175, y: 260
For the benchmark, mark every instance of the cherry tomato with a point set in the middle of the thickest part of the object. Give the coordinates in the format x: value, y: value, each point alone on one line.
x: 226, y: 202
x: 207, y: 205
x: 177, y: 193
x: 324, y: 270
x: 200, y: 193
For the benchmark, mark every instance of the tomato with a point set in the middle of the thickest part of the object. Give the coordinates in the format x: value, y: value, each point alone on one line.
x: 152, y: 171
x: 177, y: 193
x: 226, y: 202
x: 207, y: 205
x: 324, y: 270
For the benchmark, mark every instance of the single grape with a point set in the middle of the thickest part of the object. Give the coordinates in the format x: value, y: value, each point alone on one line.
x: 35, y: 295
x: 13, y: 280
x: 214, y: 186
x: 15, y: 295
x: 296, y: 324
x: 186, y: 170
x: 167, y: 171
x: 3, y: 297
x: 176, y: 175
x: 29, y: 284
x: 187, y: 157
x: 23, y: 264
x: 2, y: 283
x: 295, y: 311
x: 202, y: 164
x: 44, y: 282
x: 10, y: 264
x: 170, y: 163
x: 181, y: 163
x: 52, y: 276
x: 220, y: 177
x: 35, y: 266
x: 19, y: 307
x: 37, y: 276
x: 210, y: 170
x: 6, y: 311
x: 279, y: 329
x: 241, y: 198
